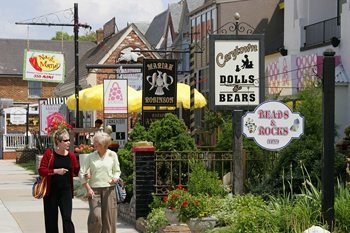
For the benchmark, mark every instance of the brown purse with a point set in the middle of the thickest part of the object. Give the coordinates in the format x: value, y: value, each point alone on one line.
x: 40, y: 185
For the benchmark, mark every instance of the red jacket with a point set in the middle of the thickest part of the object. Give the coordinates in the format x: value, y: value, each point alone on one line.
x: 44, y: 170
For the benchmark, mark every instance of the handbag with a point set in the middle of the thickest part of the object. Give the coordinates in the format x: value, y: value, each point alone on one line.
x: 40, y: 185
x: 120, y: 191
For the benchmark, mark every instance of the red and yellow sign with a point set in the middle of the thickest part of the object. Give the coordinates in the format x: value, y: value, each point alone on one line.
x: 45, y: 66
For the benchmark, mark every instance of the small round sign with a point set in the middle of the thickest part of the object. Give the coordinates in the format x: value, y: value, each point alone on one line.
x: 272, y: 125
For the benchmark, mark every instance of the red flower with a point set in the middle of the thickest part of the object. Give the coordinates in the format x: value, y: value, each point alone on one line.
x: 185, y: 203
x: 179, y: 186
x: 165, y: 198
x: 173, y: 196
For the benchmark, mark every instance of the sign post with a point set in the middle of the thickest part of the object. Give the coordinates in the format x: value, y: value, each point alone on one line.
x: 236, y: 67
x: 328, y: 138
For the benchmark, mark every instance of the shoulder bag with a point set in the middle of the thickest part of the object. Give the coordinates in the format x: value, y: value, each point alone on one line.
x: 40, y: 185
x: 120, y: 191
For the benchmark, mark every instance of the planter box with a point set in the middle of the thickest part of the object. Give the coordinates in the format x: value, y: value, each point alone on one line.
x: 172, y: 216
x: 198, y: 225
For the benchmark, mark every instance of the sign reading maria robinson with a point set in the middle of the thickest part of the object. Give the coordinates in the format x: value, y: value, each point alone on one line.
x: 236, y: 71
x: 159, y: 82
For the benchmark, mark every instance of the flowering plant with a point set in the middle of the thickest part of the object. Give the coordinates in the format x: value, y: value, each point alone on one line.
x: 187, y: 205
x: 55, y: 121
x: 84, y: 149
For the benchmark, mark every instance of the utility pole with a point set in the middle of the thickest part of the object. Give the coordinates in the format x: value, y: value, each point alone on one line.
x: 76, y: 27
x: 76, y: 65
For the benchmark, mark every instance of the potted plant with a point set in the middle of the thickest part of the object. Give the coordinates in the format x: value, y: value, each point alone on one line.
x: 83, y: 150
x: 182, y: 206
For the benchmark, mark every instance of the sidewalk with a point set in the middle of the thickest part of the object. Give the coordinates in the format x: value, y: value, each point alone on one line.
x: 21, y: 213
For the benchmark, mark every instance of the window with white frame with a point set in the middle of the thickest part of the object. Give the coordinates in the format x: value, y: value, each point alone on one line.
x: 34, y: 89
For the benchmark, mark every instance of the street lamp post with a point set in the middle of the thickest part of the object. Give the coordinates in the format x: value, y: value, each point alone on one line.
x: 76, y: 65
x: 237, y: 140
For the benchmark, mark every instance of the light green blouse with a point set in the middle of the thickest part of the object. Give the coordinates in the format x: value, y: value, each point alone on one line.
x: 102, y: 170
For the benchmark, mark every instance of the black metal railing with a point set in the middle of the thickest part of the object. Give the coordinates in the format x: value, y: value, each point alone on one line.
x: 172, y: 168
x: 322, y: 32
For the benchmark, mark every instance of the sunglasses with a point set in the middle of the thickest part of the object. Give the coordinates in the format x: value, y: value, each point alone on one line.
x: 66, y: 140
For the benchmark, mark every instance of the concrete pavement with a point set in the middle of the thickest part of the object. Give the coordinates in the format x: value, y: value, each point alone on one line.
x: 21, y: 213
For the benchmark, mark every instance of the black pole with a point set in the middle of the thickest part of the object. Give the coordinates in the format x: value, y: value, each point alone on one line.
x: 328, y: 138
x: 76, y: 66
x: 192, y: 86
x: 27, y: 126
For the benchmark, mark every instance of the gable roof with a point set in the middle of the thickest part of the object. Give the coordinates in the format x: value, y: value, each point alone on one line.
x: 176, y: 11
x: 98, y: 55
x: 142, y: 26
x: 157, y: 28
x: 12, y: 53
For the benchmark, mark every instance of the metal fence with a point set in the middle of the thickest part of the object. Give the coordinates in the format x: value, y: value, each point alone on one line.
x: 172, y: 168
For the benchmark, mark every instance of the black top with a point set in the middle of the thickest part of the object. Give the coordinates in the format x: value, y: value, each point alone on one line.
x: 60, y: 182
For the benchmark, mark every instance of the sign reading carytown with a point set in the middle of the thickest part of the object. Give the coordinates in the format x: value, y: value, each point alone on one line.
x: 272, y: 125
x: 236, y: 71
x: 45, y: 66
x: 159, y: 82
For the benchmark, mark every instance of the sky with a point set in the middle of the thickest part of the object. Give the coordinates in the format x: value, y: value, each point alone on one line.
x: 92, y: 12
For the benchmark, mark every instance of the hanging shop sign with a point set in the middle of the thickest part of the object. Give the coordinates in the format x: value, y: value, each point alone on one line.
x: 119, y: 130
x: 272, y: 125
x: 236, y: 69
x: 133, y: 75
x: 115, y: 96
x: 44, y: 66
x: 46, y: 110
x: 159, y: 82
x: 18, y: 115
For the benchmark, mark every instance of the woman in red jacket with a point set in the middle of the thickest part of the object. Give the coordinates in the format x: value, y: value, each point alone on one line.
x: 59, y: 165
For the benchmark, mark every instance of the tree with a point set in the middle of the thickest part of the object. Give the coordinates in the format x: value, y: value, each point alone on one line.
x: 89, y: 36
x: 170, y: 134
x: 62, y: 36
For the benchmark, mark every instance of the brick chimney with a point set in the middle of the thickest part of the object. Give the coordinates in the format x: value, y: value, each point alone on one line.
x: 99, y: 35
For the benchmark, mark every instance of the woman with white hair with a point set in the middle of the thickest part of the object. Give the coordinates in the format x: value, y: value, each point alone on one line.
x: 99, y: 174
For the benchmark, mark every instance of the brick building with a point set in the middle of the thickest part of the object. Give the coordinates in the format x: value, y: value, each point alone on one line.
x: 18, y: 92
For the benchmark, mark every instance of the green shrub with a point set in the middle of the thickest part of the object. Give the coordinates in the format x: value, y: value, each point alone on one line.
x: 341, y: 209
x: 245, y: 214
x: 156, y: 220
x: 203, y: 181
x: 170, y: 134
